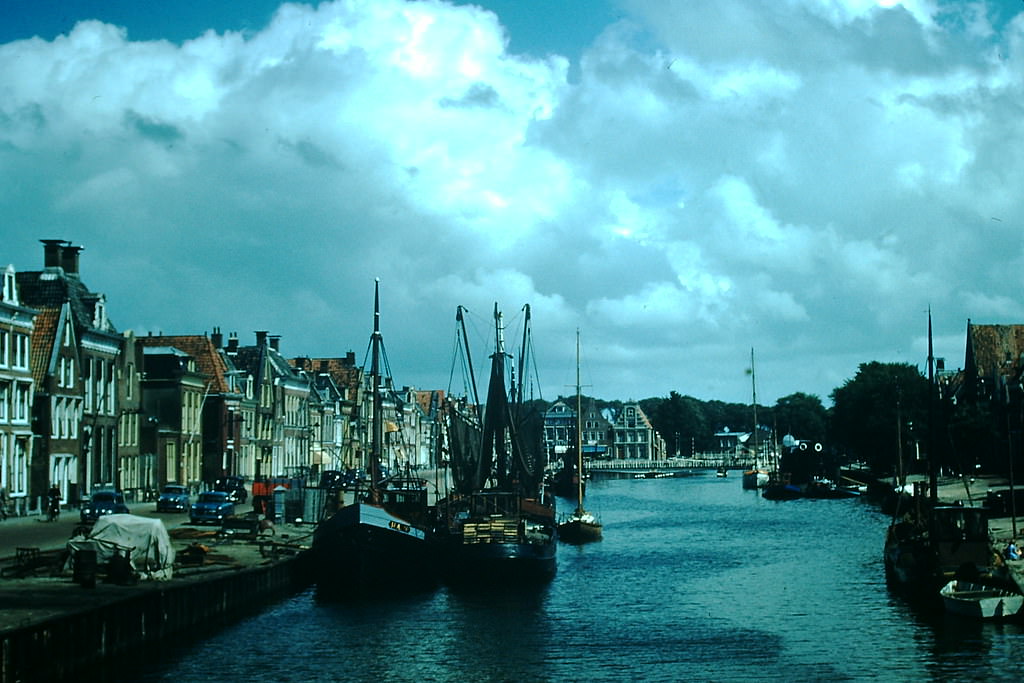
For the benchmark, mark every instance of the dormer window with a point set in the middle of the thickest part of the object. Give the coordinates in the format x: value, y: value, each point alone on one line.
x: 99, y: 316
x: 10, y: 290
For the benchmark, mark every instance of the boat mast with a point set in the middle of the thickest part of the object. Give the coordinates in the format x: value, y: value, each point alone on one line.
x: 753, y: 387
x: 933, y: 474
x: 469, y: 361
x: 378, y: 428
x: 579, y: 432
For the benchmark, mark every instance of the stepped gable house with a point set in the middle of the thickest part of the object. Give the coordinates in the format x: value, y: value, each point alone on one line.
x: 78, y: 351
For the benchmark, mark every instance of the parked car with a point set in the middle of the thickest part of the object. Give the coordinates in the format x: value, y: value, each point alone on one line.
x: 103, y: 503
x: 174, y: 498
x: 232, y: 486
x: 212, y: 507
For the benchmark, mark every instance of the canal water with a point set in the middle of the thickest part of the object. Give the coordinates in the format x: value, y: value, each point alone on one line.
x: 696, y: 580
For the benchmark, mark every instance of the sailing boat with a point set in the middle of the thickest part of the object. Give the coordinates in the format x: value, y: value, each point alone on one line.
x: 757, y: 476
x: 581, y: 526
x: 383, y: 537
x: 498, y: 522
x: 930, y: 544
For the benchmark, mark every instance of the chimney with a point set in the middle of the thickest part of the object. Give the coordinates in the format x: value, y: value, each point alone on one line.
x: 323, y: 365
x: 300, y: 363
x: 217, y: 338
x: 261, y: 337
x: 51, y: 252
x: 350, y: 359
x: 233, y: 343
x: 275, y: 342
x: 69, y: 258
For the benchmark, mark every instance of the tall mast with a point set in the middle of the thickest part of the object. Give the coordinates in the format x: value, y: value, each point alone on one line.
x: 378, y: 428
x: 469, y: 360
x: 753, y: 386
x: 933, y: 473
x: 579, y: 431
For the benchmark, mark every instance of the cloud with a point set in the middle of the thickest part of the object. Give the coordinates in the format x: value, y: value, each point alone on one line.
x: 803, y: 177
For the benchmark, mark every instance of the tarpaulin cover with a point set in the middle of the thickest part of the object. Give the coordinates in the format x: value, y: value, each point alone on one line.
x: 145, y: 538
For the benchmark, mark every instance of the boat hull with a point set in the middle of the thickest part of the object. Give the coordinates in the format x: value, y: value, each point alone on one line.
x: 755, y: 479
x: 578, y: 531
x: 364, y: 545
x: 980, y: 601
x: 504, y: 563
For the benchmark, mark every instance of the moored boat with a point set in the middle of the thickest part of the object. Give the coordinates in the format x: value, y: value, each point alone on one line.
x: 981, y: 601
x: 382, y: 539
x: 497, y: 525
x: 581, y: 526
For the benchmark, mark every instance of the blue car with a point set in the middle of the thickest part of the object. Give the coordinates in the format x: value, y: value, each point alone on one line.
x: 212, y: 507
x: 103, y: 503
x: 174, y: 498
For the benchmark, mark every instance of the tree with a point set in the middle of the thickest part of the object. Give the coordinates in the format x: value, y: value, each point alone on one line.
x: 884, y: 407
x: 801, y: 415
x: 680, y: 421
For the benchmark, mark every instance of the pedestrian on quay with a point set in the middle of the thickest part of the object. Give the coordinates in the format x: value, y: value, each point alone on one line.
x: 3, y: 504
x: 53, y: 507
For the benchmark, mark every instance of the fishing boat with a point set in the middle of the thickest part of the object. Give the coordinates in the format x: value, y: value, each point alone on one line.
x: 929, y: 544
x: 981, y: 601
x: 581, y: 526
x: 497, y: 523
x: 382, y: 539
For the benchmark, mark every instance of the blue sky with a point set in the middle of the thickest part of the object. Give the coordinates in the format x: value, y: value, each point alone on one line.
x: 680, y: 181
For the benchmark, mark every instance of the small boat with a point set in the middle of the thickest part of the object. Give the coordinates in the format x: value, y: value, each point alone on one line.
x: 581, y: 526
x: 980, y: 601
x: 722, y: 472
x: 755, y: 479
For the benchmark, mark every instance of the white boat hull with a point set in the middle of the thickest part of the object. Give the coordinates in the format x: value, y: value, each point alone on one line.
x: 979, y: 601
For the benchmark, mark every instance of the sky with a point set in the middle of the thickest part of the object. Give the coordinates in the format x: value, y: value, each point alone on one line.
x: 681, y: 182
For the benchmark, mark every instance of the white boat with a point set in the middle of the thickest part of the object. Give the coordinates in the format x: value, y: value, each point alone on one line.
x: 581, y: 526
x: 980, y: 601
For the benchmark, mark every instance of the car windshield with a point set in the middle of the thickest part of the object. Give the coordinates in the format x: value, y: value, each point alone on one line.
x: 174, y: 489
x: 103, y: 498
x: 211, y: 498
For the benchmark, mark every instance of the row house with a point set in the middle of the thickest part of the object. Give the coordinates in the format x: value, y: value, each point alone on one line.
x: 282, y: 417
x: 83, y: 406
x: 340, y: 435
x: 560, y: 429
x: 17, y: 388
x: 634, y: 437
x: 76, y: 357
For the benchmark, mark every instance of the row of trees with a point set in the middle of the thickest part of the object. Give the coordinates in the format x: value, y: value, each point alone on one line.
x: 880, y: 417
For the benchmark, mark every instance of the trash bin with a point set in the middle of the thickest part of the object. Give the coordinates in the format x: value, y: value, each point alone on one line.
x: 85, y: 568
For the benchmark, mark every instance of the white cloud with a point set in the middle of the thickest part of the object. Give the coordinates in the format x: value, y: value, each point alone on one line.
x: 803, y: 177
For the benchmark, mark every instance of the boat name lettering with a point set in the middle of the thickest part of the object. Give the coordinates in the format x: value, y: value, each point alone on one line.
x: 399, y: 526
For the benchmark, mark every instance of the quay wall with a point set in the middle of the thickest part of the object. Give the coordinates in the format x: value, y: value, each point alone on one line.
x: 108, y: 641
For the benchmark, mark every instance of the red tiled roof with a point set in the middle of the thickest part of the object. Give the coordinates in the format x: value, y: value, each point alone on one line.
x: 201, y: 348
x: 997, y: 349
x: 344, y: 374
x: 43, y: 336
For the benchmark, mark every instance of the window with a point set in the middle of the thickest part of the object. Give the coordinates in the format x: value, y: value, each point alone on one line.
x: 19, y: 467
x: 10, y: 292
x: 21, y: 401
x: 90, y: 387
x: 21, y: 351
x: 5, y: 400
x: 3, y: 348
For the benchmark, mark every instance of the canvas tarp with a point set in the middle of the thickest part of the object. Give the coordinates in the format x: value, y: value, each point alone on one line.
x: 144, y: 538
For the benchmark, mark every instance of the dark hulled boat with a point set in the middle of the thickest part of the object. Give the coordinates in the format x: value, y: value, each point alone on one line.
x: 382, y: 539
x: 497, y: 524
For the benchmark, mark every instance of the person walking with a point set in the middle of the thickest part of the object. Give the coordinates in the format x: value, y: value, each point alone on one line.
x: 3, y: 504
x: 53, y: 507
